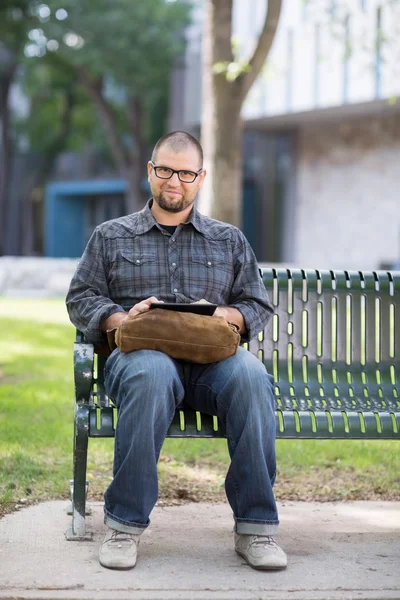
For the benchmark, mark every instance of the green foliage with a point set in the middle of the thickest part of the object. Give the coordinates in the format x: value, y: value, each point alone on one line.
x: 16, y: 18
x: 36, y: 425
x: 132, y: 41
x: 35, y: 420
x: 51, y: 85
x: 128, y: 44
x: 231, y: 70
x: 127, y: 47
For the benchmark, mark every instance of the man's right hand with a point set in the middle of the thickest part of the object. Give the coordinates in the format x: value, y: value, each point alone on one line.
x: 142, y: 306
x: 116, y: 319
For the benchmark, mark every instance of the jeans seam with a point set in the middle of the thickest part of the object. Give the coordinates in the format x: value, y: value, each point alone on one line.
x: 217, y: 394
x: 233, y: 483
x: 117, y: 450
x: 158, y: 449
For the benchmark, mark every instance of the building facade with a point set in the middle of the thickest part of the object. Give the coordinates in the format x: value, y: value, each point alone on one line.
x: 322, y: 123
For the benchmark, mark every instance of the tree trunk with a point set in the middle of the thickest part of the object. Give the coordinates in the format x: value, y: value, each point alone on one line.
x: 5, y: 154
x: 137, y: 196
x: 207, y: 115
x: 42, y: 172
x: 221, y: 124
x: 128, y: 169
x: 227, y: 161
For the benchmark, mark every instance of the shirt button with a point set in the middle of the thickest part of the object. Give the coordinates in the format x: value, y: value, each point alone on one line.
x: 175, y: 290
x: 209, y: 263
x: 138, y: 262
x: 172, y: 239
x: 174, y: 264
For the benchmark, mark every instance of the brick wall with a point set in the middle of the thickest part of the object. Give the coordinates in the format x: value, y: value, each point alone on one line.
x: 348, y: 201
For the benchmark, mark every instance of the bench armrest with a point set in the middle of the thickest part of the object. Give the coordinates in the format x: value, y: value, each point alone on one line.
x: 83, y: 371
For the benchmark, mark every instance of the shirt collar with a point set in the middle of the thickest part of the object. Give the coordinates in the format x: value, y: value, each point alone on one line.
x: 146, y: 220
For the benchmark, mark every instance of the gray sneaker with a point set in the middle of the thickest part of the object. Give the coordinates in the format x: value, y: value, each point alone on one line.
x: 119, y: 550
x: 260, y: 551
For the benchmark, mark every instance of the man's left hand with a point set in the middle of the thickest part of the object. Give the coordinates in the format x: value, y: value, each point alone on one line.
x: 230, y: 314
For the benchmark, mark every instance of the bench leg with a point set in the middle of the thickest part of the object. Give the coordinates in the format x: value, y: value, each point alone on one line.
x: 88, y: 510
x: 79, y: 487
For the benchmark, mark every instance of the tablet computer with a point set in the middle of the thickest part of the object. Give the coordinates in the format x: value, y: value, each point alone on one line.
x: 198, y: 309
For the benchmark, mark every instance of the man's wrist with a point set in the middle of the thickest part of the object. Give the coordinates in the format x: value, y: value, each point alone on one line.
x: 113, y: 321
x: 232, y: 315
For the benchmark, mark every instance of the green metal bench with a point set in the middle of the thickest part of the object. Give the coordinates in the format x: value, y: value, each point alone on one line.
x: 333, y: 346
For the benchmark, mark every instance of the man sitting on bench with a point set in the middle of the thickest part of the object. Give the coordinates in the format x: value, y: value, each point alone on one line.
x: 169, y: 252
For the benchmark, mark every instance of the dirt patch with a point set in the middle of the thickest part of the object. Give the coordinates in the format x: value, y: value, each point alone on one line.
x: 5, y: 509
x: 10, y: 507
x: 182, y: 484
x: 178, y: 484
x: 333, y: 485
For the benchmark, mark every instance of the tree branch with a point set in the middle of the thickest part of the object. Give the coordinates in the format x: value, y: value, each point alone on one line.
x: 135, y: 123
x: 221, y: 22
x: 136, y: 118
x: 93, y: 90
x: 263, y: 47
x: 57, y: 144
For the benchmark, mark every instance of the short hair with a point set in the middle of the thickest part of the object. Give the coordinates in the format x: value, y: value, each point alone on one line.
x: 178, y: 141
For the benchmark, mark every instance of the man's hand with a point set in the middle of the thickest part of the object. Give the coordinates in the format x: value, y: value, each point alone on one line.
x: 230, y: 314
x: 116, y: 319
x: 142, y: 306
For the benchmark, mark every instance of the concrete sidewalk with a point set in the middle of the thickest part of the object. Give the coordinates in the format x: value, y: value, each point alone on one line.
x: 349, y: 550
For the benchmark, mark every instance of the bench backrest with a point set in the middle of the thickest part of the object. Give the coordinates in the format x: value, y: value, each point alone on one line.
x: 335, y: 335
x: 333, y: 343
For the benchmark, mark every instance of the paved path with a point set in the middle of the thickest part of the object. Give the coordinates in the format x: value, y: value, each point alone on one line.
x: 349, y: 551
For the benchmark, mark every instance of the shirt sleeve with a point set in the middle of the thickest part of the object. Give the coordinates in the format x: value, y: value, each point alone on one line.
x: 88, y: 302
x: 248, y: 292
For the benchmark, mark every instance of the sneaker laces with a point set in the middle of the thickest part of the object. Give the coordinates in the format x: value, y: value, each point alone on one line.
x: 264, y: 540
x: 119, y: 537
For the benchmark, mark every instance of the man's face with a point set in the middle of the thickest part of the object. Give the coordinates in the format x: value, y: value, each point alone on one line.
x: 172, y: 195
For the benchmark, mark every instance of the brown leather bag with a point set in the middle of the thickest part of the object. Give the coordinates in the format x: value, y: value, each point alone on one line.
x: 187, y: 336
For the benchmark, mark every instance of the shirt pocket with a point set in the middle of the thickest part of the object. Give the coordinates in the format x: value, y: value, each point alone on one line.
x: 211, y: 277
x: 134, y: 275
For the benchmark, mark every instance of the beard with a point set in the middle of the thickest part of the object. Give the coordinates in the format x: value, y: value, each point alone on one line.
x: 170, y: 205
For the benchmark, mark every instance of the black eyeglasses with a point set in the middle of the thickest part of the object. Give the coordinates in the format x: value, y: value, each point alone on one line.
x: 183, y: 175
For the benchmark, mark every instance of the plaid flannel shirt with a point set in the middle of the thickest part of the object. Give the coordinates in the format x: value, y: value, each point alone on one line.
x: 132, y: 258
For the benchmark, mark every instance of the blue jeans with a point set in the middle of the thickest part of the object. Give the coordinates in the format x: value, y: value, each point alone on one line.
x: 147, y: 386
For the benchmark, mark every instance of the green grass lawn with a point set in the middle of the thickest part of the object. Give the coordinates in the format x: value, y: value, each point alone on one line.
x: 36, y: 422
